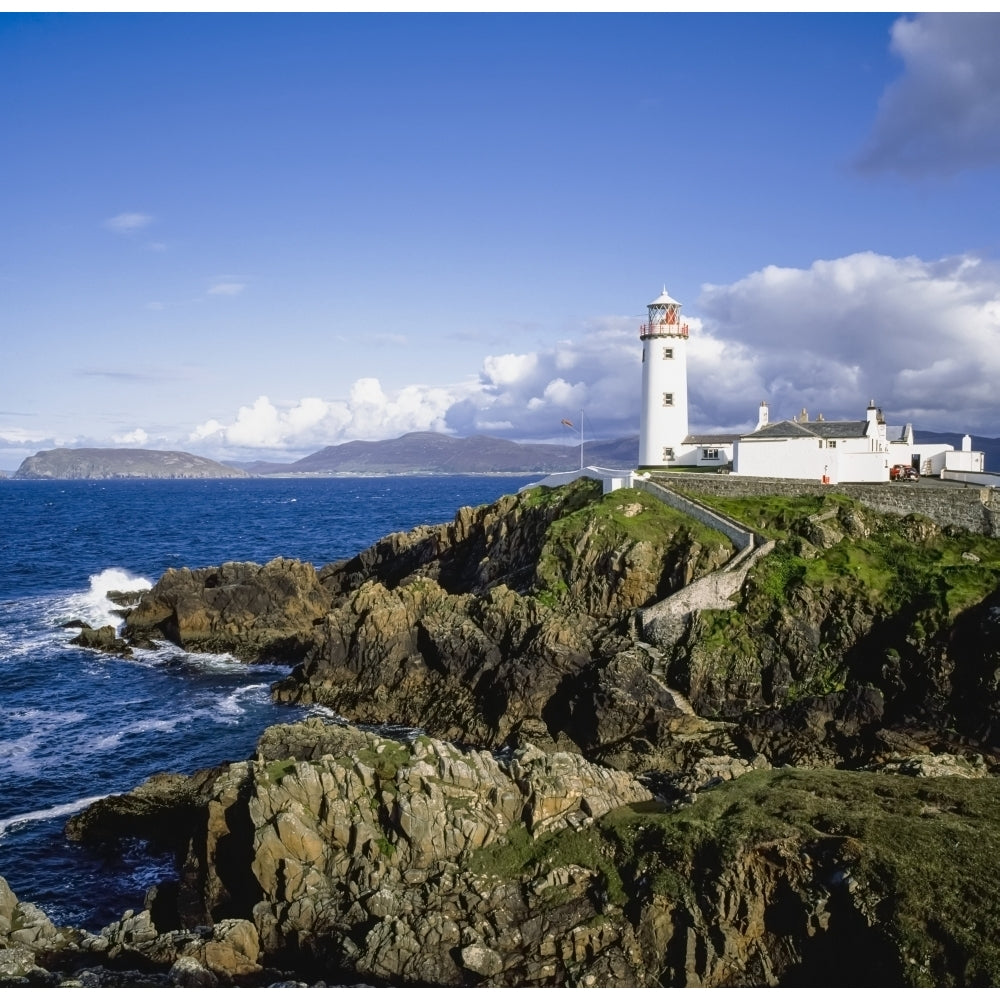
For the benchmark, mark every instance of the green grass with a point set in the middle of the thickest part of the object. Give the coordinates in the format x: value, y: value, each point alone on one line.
x: 615, y: 522
x: 277, y: 769
x: 521, y: 855
x: 924, y: 852
x: 902, y: 561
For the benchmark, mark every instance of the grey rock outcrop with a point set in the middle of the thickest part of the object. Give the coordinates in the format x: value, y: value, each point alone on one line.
x: 496, y: 628
x: 355, y: 862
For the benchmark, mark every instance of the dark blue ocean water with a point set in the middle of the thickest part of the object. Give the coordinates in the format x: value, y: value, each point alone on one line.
x: 76, y: 724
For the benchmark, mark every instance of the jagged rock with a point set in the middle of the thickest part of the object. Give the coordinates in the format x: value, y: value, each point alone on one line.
x: 188, y: 972
x: 160, y: 805
x: 104, y: 639
x: 17, y: 963
x: 24, y: 925
x: 258, y: 613
x: 473, y: 630
x: 943, y: 765
x: 126, y: 598
x: 374, y: 836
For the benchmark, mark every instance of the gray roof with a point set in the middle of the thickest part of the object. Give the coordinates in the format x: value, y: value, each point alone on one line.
x: 720, y: 437
x: 809, y: 428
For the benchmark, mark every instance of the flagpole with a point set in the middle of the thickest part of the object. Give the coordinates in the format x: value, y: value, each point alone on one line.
x: 581, y: 440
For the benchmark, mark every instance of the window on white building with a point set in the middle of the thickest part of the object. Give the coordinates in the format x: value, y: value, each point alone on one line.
x: 831, y: 444
x: 710, y: 453
x: 668, y: 399
x: 668, y: 354
x: 668, y: 454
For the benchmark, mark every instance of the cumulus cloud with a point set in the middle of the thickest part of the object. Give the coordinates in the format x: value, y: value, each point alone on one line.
x: 369, y: 413
x: 943, y: 114
x: 127, y: 222
x: 917, y: 336
x: 138, y: 436
x: 227, y: 288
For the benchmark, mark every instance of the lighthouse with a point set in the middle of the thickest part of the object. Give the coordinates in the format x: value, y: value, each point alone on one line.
x: 663, y: 420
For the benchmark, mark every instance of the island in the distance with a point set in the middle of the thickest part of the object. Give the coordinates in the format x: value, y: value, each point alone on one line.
x: 122, y: 463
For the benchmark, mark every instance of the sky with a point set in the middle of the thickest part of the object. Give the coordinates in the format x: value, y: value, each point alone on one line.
x: 253, y: 236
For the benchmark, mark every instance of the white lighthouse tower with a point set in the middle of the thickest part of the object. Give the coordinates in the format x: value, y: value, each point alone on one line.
x: 663, y: 420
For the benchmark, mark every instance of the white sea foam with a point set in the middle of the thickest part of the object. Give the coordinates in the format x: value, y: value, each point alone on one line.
x: 29, y: 729
x: 166, y: 654
x: 112, y: 740
x: 327, y: 713
x: 93, y: 605
x: 230, y: 706
x: 41, y: 815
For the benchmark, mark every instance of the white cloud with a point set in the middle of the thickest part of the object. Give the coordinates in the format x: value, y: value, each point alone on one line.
x: 227, y: 288
x: 943, y: 114
x: 128, y: 222
x: 917, y: 336
x: 138, y: 436
x: 509, y: 369
x: 369, y: 413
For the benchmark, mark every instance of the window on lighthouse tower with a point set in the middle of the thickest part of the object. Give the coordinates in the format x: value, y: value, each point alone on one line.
x: 668, y: 399
x: 668, y: 354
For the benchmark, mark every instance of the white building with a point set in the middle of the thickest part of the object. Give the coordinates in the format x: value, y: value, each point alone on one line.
x: 827, y: 451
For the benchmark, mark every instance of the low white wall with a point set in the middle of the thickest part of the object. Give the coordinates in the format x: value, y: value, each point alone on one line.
x: 991, y: 479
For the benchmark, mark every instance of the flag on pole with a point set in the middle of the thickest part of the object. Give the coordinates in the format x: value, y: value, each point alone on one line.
x: 567, y: 423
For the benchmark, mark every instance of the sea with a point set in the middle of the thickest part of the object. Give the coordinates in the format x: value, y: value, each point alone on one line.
x: 76, y: 724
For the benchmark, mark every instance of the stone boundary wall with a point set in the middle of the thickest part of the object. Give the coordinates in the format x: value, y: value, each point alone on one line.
x: 662, y: 624
x: 739, y: 534
x: 971, y: 507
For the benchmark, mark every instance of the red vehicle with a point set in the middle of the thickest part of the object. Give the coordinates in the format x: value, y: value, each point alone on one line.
x: 903, y: 473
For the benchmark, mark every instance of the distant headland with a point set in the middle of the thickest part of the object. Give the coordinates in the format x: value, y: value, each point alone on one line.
x: 122, y: 463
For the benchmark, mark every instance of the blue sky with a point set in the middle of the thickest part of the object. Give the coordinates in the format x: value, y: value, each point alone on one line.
x: 257, y: 235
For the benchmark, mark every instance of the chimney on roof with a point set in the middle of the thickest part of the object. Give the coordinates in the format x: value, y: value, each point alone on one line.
x: 762, y: 416
x: 872, y: 419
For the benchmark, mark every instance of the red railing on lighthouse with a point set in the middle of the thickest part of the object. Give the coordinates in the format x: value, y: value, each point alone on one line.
x: 663, y: 330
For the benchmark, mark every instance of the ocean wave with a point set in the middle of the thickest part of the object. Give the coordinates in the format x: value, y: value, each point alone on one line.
x: 229, y: 706
x: 168, y: 655
x: 41, y: 815
x: 28, y: 731
x: 93, y: 605
x: 113, y: 740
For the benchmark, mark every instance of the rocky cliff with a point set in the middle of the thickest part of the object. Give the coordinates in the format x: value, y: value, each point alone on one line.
x: 860, y: 641
x: 338, y: 855
x: 514, y: 619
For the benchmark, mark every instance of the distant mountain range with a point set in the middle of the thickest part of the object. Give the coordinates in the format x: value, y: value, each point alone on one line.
x: 412, y: 454
x: 442, y: 454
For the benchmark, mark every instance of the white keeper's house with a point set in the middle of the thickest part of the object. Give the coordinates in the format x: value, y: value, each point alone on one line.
x: 830, y: 451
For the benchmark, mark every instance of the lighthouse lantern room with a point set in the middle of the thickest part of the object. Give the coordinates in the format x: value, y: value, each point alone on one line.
x: 663, y: 419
